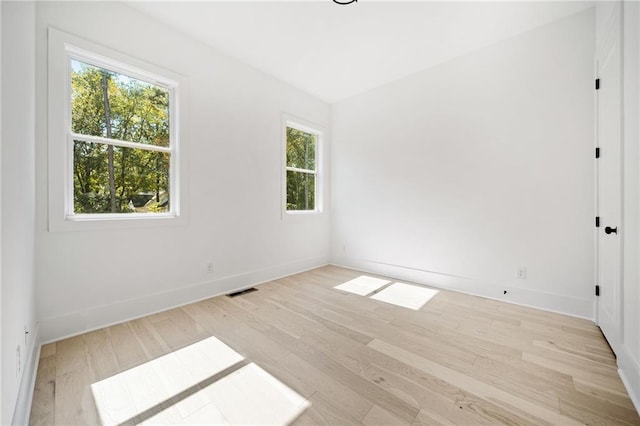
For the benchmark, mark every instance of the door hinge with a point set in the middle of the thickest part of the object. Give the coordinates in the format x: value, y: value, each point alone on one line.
x: 598, y: 152
x: 597, y: 221
x: 597, y: 290
x: 597, y: 84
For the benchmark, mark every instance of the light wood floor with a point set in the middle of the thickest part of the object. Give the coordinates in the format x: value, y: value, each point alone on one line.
x: 459, y: 359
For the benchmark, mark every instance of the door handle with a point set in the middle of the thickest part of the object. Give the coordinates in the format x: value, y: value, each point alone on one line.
x: 609, y: 230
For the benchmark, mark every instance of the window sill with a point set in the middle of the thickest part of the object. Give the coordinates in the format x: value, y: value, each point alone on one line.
x: 119, y: 216
x: 303, y: 212
x: 111, y: 222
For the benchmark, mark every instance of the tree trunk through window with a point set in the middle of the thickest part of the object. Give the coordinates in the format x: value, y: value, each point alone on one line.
x: 107, y: 116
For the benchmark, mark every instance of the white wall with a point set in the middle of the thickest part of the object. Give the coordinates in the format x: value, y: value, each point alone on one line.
x: 629, y: 356
x: 18, y: 214
x: 92, y: 278
x: 459, y: 174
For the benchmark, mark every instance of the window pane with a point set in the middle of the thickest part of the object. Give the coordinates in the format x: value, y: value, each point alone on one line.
x: 132, y: 110
x: 301, y: 149
x: 301, y: 191
x: 140, y: 179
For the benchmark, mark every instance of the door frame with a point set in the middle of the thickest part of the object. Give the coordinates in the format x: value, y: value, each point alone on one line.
x: 614, y: 23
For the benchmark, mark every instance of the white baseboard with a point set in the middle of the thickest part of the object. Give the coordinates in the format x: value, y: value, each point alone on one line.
x: 56, y: 328
x: 546, y: 301
x: 22, y: 409
x: 629, y: 372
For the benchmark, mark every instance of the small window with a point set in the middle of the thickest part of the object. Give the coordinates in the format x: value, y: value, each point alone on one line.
x: 302, y: 193
x: 121, y: 136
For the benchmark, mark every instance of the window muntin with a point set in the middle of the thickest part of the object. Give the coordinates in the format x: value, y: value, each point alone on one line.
x: 123, y: 145
x: 301, y: 169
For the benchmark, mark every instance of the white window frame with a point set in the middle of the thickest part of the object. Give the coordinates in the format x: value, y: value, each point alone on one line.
x: 308, y: 127
x: 63, y: 48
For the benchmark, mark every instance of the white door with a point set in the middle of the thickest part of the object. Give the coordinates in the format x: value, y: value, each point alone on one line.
x: 609, y: 172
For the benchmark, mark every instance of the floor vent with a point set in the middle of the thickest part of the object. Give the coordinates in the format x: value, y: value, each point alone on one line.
x: 239, y: 293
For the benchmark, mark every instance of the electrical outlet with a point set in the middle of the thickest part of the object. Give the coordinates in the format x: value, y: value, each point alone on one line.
x: 522, y: 273
x: 209, y: 267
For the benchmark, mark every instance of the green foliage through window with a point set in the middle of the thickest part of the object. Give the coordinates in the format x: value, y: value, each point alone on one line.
x: 301, y: 170
x: 108, y: 178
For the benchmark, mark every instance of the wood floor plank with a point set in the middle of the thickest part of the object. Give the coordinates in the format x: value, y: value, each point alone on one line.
x: 516, y: 381
x: 413, y: 392
x: 320, y: 315
x: 596, y: 404
x: 179, y: 330
x: 449, y: 414
x: 461, y: 341
x: 349, y: 378
x: 43, y: 407
x: 70, y: 355
x: 378, y: 416
x: 251, y: 342
x: 152, y: 344
x: 616, y: 397
x: 573, y: 358
x: 497, y: 411
x: 324, y: 412
x: 600, y: 350
x: 606, y: 379
x: 590, y: 416
x: 74, y: 404
x: 128, y: 350
x: 307, y: 420
x: 332, y: 390
x: 460, y: 359
x: 578, y: 351
x: 470, y: 384
x: 100, y: 355
x: 48, y: 350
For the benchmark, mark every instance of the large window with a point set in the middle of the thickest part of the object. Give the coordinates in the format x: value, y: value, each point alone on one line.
x: 113, y: 137
x: 120, y: 130
x: 302, y: 169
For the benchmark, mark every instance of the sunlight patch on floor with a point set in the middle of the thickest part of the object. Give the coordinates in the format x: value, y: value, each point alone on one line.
x: 405, y: 295
x: 126, y: 395
x: 204, y: 383
x: 248, y: 396
x: 362, y: 285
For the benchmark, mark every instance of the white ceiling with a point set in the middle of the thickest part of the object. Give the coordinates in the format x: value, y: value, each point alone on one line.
x: 334, y: 52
